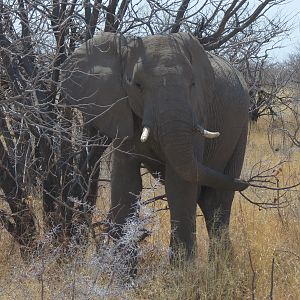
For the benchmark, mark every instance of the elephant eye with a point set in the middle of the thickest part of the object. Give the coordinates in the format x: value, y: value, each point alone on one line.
x: 193, y: 83
x: 137, y: 84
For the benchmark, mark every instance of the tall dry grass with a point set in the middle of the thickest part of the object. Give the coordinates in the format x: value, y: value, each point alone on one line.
x: 265, y: 264
x: 266, y: 243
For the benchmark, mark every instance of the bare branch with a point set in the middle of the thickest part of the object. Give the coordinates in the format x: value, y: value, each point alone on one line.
x: 179, y: 17
x: 110, y: 16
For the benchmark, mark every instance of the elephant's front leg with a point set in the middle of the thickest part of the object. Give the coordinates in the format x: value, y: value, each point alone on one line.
x: 126, y: 186
x: 182, y: 200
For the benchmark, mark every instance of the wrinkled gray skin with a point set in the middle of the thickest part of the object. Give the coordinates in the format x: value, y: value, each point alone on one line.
x: 169, y: 84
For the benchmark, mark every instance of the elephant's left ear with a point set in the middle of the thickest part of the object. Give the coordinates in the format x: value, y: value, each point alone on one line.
x: 203, y: 72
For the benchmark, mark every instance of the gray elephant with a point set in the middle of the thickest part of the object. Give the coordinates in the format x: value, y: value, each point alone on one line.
x: 179, y: 111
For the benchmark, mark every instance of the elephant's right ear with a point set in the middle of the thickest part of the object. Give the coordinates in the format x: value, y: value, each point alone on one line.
x: 92, y: 81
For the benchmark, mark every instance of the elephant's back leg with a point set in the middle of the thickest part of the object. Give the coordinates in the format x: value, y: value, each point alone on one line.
x: 216, y: 204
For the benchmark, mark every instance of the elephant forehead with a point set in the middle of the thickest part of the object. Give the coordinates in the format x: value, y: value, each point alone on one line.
x: 171, y: 76
x: 165, y: 59
x: 161, y: 43
x: 160, y: 67
x: 167, y: 66
x: 168, y: 71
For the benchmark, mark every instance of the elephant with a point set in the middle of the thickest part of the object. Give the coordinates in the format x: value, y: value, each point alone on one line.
x: 172, y: 108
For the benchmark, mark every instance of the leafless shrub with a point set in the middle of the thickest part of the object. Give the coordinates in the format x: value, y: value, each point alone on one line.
x: 96, y: 269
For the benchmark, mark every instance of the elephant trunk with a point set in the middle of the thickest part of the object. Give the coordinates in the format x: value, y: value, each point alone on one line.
x: 184, y: 150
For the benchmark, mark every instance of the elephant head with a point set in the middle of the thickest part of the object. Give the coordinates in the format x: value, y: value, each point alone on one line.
x: 166, y: 81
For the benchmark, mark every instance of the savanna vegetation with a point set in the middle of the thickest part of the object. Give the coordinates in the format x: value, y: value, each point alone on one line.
x: 54, y: 168
x: 265, y: 264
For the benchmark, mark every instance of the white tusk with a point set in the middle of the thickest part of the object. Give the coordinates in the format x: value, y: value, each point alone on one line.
x: 145, y: 134
x: 206, y: 133
x: 210, y: 135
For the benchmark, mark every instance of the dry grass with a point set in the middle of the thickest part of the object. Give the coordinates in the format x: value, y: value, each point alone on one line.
x: 266, y: 243
x: 266, y: 263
